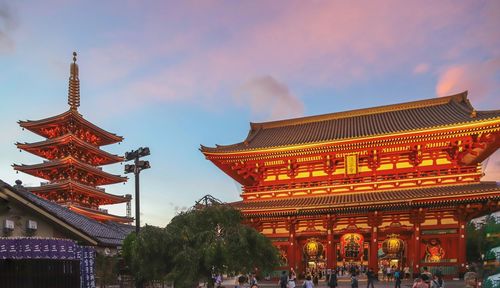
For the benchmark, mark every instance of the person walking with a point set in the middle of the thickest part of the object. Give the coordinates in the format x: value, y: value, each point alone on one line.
x: 332, y: 280
x: 370, y: 278
x: 354, y: 281
x: 426, y: 276
x: 397, y: 278
x: 437, y: 282
x: 283, y: 280
x: 308, y: 283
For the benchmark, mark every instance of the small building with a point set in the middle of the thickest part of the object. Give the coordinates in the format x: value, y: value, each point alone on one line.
x: 30, y: 223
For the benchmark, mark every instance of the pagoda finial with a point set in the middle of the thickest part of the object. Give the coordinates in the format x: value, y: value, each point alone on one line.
x: 74, y: 85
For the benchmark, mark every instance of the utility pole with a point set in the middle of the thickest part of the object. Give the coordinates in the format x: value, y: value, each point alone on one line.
x: 136, y: 168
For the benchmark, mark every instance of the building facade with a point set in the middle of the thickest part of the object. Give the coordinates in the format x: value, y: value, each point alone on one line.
x: 385, y: 186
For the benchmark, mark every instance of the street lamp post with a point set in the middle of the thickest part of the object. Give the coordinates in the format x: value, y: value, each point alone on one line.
x: 136, y: 168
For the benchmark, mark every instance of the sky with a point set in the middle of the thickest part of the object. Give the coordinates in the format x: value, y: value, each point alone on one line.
x: 172, y: 75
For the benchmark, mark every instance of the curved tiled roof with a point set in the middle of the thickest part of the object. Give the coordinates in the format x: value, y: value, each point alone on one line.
x: 442, y: 195
x: 411, y: 116
x: 35, y: 125
x: 106, y: 233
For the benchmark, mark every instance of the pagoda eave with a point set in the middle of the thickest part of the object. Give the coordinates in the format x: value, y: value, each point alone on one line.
x: 72, y: 186
x: 37, y: 147
x: 37, y: 170
x: 36, y: 126
x: 99, y: 215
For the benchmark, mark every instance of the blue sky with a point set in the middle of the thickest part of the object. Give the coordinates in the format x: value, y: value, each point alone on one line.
x: 172, y: 75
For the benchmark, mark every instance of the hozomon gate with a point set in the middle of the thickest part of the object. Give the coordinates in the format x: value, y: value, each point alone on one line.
x: 390, y: 185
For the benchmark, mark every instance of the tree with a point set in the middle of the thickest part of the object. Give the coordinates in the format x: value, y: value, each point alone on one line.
x: 213, y: 240
x: 481, y: 238
x: 147, y: 256
x: 197, y: 244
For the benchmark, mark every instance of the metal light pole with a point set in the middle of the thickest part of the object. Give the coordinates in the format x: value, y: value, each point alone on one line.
x: 136, y: 168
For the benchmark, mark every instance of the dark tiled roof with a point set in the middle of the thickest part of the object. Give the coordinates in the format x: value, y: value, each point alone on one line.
x: 424, y: 114
x: 106, y: 233
x: 443, y: 195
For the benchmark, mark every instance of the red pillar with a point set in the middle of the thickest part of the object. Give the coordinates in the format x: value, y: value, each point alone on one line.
x: 292, y: 248
x: 416, y: 249
x: 462, y: 258
x: 373, y: 257
x: 330, y: 249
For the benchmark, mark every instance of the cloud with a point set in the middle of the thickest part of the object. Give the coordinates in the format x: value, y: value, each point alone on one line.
x: 199, y: 55
x: 480, y: 79
x: 8, y: 23
x: 269, y: 99
x: 491, y: 167
x: 421, y: 68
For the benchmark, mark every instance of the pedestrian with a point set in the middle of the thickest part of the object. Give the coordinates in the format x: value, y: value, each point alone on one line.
x: 253, y: 280
x: 370, y: 278
x: 218, y: 280
x: 419, y: 283
x: 389, y: 273
x: 291, y: 279
x: 332, y: 280
x: 426, y: 276
x: 437, y: 282
x: 397, y: 278
x: 354, y: 281
x: 406, y: 270
x: 308, y: 283
x: 283, y: 280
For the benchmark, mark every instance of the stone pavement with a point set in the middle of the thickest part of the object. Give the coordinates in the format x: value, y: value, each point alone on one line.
x: 345, y: 282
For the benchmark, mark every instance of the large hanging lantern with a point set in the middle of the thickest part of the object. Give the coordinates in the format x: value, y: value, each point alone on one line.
x: 313, y: 249
x: 393, y: 246
x: 352, y: 245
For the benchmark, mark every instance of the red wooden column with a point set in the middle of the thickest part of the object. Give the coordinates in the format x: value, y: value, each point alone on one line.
x: 330, y: 249
x: 373, y: 257
x: 417, y: 217
x: 462, y: 247
x: 374, y: 220
x: 293, y: 246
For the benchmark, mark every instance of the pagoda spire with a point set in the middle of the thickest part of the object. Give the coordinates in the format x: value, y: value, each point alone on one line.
x: 74, y: 86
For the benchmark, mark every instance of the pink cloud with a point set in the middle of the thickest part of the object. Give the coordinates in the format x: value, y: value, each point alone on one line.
x: 269, y: 99
x: 480, y: 79
x: 8, y: 24
x: 327, y: 43
x: 491, y: 167
x: 421, y: 68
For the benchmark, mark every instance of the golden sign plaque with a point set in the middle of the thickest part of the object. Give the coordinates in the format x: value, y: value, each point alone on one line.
x: 351, y: 164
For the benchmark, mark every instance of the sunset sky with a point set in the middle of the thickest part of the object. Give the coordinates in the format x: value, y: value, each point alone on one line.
x: 172, y: 75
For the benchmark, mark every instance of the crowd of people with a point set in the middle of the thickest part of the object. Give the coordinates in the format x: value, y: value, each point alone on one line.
x: 289, y: 279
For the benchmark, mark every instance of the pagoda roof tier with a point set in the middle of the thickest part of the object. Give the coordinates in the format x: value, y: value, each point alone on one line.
x: 377, y: 200
x: 50, y: 149
x: 74, y: 187
x: 98, y: 215
x: 48, y: 128
x: 53, y: 170
x: 417, y: 116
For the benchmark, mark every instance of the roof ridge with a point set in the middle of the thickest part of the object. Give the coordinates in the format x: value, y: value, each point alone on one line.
x: 460, y: 97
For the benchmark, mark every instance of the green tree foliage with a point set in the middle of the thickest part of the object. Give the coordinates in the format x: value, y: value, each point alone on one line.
x: 213, y: 240
x: 481, y: 238
x: 197, y: 244
x: 147, y: 255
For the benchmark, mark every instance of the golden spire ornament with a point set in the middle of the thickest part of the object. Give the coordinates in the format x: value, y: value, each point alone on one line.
x: 74, y: 86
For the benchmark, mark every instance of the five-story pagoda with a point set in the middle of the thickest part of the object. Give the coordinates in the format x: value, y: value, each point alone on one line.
x: 74, y: 157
